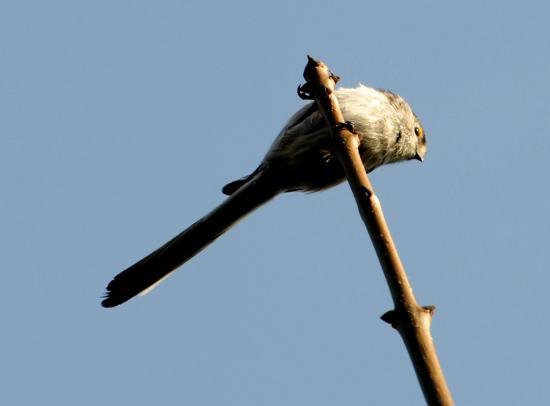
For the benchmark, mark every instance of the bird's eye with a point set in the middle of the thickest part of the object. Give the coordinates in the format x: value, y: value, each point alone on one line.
x: 418, y: 131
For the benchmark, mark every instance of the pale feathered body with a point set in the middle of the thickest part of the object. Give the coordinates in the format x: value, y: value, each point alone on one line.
x: 384, y: 121
x: 299, y: 159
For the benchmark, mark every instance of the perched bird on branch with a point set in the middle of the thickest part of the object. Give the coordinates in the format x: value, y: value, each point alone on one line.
x: 300, y: 159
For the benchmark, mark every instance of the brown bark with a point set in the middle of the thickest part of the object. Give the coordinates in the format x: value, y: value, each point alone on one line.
x: 411, y: 320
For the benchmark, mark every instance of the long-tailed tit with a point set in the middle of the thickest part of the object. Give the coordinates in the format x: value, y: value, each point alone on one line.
x: 299, y: 159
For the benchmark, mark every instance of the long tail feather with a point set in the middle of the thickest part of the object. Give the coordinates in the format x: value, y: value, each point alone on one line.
x: 151, y: 270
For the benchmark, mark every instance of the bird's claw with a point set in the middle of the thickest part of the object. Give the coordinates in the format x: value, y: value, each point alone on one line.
x: 304, y: 92
x: 348, y: 125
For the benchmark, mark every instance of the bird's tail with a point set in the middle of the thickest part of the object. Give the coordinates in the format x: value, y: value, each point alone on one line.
x: 151, y: 270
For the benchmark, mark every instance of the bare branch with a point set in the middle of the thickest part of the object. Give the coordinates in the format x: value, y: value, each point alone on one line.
x: 411, y: 320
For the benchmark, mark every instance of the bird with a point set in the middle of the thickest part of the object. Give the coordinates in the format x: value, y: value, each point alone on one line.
x: 300, y: 159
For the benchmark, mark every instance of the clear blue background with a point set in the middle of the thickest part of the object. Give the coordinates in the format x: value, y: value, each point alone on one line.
x: 121, y: 120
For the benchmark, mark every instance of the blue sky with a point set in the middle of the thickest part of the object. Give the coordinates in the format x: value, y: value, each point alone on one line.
x: 122, y: 120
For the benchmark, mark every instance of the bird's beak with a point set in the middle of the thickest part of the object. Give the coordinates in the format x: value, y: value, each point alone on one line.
x: 418, y: 157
